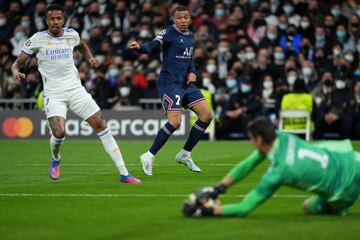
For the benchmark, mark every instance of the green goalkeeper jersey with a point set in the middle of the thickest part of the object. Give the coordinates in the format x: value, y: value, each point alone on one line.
x: 297, y: 163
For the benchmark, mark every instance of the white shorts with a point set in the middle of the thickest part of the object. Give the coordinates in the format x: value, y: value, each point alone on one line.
x: 78, y: 100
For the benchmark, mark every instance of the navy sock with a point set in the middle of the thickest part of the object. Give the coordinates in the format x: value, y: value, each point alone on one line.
x: 196, y: 131
x: 161, y: 138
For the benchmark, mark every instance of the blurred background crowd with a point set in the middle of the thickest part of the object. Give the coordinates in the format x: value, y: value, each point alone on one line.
x: 248, y: 55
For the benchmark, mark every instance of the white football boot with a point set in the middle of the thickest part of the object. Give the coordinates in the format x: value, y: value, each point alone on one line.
x: 147, y: 160
x: 185, y: 159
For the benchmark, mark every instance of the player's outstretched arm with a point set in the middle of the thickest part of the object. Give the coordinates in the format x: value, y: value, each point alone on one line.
x: 268, y: 184
x: 145, y: 48
x: 245, y: 167
x: 85, y: 50
x: 15, y: 68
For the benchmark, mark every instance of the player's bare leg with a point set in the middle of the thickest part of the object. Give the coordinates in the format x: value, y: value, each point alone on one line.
x: 204, y: 114
x: 57, y: 126
x: 97, y: 122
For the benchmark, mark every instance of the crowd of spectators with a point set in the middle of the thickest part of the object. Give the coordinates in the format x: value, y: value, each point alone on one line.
x: 248, y: 54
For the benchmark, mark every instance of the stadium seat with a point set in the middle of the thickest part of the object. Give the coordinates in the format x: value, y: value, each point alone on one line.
x: 291, y: 114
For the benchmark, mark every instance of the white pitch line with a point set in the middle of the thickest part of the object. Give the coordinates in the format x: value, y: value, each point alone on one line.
x: 116, y: 195
x: 111, y: 164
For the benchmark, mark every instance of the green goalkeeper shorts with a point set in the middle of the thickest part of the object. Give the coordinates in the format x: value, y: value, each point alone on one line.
x: 324, y: 205
x: 321, y: 206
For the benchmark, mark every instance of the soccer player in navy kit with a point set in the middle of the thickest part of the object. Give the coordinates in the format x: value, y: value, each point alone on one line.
x: 176, y: 89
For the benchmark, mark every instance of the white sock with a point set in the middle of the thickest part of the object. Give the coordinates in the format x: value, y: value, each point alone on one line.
x: 184, y: 152
x: 55, y: 145
x: 113, y: 150
x: 150, y: 154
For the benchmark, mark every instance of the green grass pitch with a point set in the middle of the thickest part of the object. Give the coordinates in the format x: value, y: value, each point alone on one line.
x: 88, y: 202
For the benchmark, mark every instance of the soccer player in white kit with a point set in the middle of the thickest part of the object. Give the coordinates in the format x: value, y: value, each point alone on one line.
x: 63, y: 90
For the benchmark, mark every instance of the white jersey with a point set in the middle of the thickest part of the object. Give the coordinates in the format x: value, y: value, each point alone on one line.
x: 55, y: 59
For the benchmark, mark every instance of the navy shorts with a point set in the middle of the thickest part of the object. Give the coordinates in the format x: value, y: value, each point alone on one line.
x: 176, y: 97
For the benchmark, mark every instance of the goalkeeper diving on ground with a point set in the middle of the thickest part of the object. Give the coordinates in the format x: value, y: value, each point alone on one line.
x: 330, y: 170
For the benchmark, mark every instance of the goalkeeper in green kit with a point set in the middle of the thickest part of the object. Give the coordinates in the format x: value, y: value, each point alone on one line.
x: 331, y: 170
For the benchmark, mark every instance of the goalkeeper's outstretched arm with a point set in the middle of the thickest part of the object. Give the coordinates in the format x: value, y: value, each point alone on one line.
x: 243, y: 168
x: 269, y: 183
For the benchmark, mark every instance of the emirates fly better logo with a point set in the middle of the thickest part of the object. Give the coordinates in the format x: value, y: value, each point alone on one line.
x: 17, y: 127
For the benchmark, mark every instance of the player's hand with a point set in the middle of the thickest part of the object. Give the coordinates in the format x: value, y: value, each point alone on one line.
x: 94, y: 62
x: 134, y: 45
x: 191, y: 78
x: 205, y: 193
x: 195, y: 210
x: 18, y: 75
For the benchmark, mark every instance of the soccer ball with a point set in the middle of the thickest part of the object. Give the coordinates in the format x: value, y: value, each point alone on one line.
x: 205, y: 202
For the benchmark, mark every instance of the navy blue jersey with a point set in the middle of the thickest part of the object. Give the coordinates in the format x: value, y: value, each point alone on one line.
x: 177, y: 49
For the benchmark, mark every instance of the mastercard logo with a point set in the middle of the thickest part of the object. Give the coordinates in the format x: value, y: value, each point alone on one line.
x: 17, y: 127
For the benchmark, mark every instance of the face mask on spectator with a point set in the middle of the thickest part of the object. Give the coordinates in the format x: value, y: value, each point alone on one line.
x: 268, y: 84
x: 335, y: 12
x: 328, y: 83
x: 204, y: 35
x: 19, y: 35
x: 271, y: 36
x: 2, y: 21
x: 105, y: 22
x: 85, y: 2
x: 143, y: 33
x: 100, y: 59
x: 340, y: 34
x: 77, y: 61
x: 223, y: 49
x: 219, y: 12
x: 320, y: 38
x: 358, y: 48
x: 206, y: 82
x: 340, y: 84
x: 288, y: 9
x: 349, y: 57
x: 307, y: 71
x: 231, y: 83
x: 241, y: 57
x: 124, y: 91
x: 282, y: 26
x: 304, y: 24
x: 245, y: 88
x: 279, y: 56
x: 75, y: 25
x: 25, y: 24
x: 114, y: 72
x: 41, y: 13
x: 357, y: 72
x: 211, y: 68
x: 250, y: 56
x: 291, y: 79
x: 355, y: 24
x: 336, y: 52
x: 116, y: 39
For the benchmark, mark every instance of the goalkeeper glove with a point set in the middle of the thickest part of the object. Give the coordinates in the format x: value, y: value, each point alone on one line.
x: 195, y: 210
x: 205, y: 193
